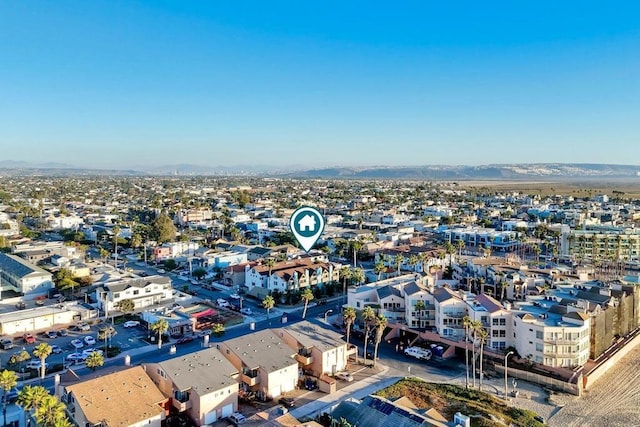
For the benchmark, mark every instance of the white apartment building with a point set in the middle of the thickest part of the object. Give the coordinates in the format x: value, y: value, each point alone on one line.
x: 495, y: 319
x: 450, y: 309
x: 421, y: 316
x: 144, y: 292
x: 290, y: 275
x: 22, y: 277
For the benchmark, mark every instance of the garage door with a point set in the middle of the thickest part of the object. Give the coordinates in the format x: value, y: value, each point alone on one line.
x: 227, y: 410
x: 211, y: 417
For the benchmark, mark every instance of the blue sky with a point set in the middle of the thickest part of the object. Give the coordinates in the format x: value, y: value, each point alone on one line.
x: 108, y: 84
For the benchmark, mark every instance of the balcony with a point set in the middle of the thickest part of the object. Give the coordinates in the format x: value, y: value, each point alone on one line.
x: 181, y: 406
x: 250, y: 377
x: 304, y: 357
x: 562, y: 341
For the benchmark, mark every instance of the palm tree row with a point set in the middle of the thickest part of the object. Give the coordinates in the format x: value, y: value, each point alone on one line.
x: 478, y: 335
x: 371, y: 321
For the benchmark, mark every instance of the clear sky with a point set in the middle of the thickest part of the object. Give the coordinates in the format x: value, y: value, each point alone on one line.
x: 314, y: 83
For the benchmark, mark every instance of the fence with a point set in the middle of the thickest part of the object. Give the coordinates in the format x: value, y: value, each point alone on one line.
x: 564, y: 386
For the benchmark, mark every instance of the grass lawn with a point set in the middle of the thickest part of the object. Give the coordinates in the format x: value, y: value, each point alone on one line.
x: 484, y: 409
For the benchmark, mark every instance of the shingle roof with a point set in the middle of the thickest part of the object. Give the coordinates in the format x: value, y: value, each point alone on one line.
x: 413, y: 288
x: 443, y: 294
x: 120, y: 399
x: 387, y: 291
x: 312, y: 335
x: 263, y: 349
x: 491, y: 304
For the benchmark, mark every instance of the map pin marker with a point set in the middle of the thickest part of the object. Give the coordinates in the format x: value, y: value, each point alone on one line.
x: 306, y: 224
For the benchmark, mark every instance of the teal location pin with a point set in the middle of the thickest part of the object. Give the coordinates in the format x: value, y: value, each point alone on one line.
x: 306, y: 224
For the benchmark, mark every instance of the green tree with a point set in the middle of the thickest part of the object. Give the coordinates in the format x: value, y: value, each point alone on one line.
x: 348, y: 316
x: 162, y: 229
x: 104, y: 254
x: 268, y: 303
x: 380, y: 325
x: 398, y: 260
x: 51, y: 413
x: 345, y: 273
x: 20, y: 357
x: 136, y: 240
x: 42, y: 351
x: 8, y: 380
x: 126, y: 306
x: 467, y: 323
x: 475, y: 327
x: 94, y: 361
x: 450, y: 250
x: 357, y: 275
x: 170, y: 264
x: 356, y: 245
x: 30, y: 397
x: 270, y: 263
x: 160, y: 326
x: 217, y: 329
x: 368, y: 317
x: 482, y: 335
x: 105, y: 334
x: 413, y: 261
x: 307, y: 295
x: 379, y: 268
x: 199, y: 273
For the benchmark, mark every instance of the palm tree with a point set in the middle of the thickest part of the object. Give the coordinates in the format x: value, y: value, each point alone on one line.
x: 217, y: 329
x: 8, y: 380
x: 160, y: 326
x: 466, y: 322
x: 270, y: 262
x: 306, y: 296
x: 413, y: 261
x: 94, y: 361
x: 42, y: 351
x: 51, y: 412
x: 106, y: 334
x: 116, y: 232
x: 358, y: 275
x: 460, y: 245
x: 356, y: 245
x: 450, y: 250
x: 398, y: 260
x: 268, y: 303
x: 380, y: 325
x: 30, y: 397
x: 345, y: 273
x: 379, y: 268
x: 475, y: 326
x: 349, y: 316
x: 483, y: 335
x: 368, y: 316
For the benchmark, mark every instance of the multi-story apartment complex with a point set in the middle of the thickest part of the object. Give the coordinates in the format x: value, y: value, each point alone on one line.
x: 602, y: 244
x: 144, y: 292
x: 20, y: 276
x: 290, y: 275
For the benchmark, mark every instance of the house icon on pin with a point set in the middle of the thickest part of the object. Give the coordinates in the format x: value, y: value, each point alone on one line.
x: 307, y: 223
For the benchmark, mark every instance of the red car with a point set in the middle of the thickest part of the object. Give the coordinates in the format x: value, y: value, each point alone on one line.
x: 28, y: 338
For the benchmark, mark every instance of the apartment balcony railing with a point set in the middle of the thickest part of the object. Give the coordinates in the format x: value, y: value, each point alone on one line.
x: 562, y: 341
x: 250, y: 381
x: 304, y: 357
x: 181, y: 406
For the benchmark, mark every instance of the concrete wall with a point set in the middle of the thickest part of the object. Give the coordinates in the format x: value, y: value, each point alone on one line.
x: 575, y: 389
x: 603, y: 367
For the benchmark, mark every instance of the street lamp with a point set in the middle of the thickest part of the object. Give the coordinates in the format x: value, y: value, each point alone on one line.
x: 326, y: 313
x: 506, y: 356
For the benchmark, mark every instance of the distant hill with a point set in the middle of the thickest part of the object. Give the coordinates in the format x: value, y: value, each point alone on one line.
x: 538, y: 171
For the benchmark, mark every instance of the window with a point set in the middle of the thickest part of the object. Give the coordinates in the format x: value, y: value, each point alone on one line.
x: 494, y: 322
x: 539, y: 335
x: 136, y: 292
x: 147, y: 290
x: 116, y: 295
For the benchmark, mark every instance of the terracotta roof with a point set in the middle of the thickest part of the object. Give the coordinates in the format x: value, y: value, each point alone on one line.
x: 122, y: 398
x: 491, y: 304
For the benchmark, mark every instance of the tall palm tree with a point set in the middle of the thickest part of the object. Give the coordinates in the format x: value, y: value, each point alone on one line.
x: 398, y: 260
x: 424, y: 261
x: 368, y: 316
x: 116, y: 232
x: 466, y: 322
x: 379, y: 268
x: 358, y: 275
x: 356, y: 245
x: 460, y: 245
x: 413, y: 261
x: 380, y: 325
x: 475, y: 326
x: 8, y: 380
x: 349, y: 316
x: 306, y: 296
x: 106, y: 334
x: 42, y: 351
x: 482, y: 335
x: 30, y: 397
x: 270, y: 262
x: 268, y: 303
x: 160, y: 326
x: 345, y: 273
x: 450, y: 250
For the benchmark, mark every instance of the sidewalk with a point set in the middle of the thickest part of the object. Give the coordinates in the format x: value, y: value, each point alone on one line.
x: 358, y: 390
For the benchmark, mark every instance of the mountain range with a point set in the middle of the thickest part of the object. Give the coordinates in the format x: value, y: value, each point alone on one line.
x: 545, y: 171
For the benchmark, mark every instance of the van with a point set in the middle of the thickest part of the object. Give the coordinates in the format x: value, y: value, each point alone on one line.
x: 237, y: 418
x: 418, y: 352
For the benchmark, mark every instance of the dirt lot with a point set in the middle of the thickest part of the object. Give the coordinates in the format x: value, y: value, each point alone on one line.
x: 613, y: 401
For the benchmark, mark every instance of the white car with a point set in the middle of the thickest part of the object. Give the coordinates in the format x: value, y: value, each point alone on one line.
x: 234, y: 296
x: 75, y: 357
x: 131, y: 324
x: 345, y: 376
x: 35, y: 364
x: 223, y: 303
x: 418, y: 352
x: 246, y: 311
x: 88, y: 351
x: 55, y: 349
x: 77, y: 344
x: 89, y: 340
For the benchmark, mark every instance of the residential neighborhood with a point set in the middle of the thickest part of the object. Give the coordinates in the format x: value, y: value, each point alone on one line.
x: 202, y: 282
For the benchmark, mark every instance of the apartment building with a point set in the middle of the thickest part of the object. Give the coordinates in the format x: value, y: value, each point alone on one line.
x: 144, y: 292
x: 290, y: 275
x: 21, y: 277
x: 450, y: 308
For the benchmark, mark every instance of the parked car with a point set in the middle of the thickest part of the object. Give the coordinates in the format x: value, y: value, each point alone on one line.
x: 83, y: 327
x: 29, y: 338
x: 131, y: 324
x: 76, y: 357
x: 287, y: 402
x: 184, y: 340
x: 161, y: 270
x: 204, y: 333
x: 246, y: 311
x: 344, y: 376
x: 418, y: 352
x: 35, y: 364
x: 234, y: 296
x: 89, y: 340
x: 21, y: 306
x: 52, y: 334
x: 77, y: 344
x: 55, y: 349
x: 88, y: 351
x: 6, y: 343
x: 63, y: 332
x: 237, y: 418
x: 223, y: 303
